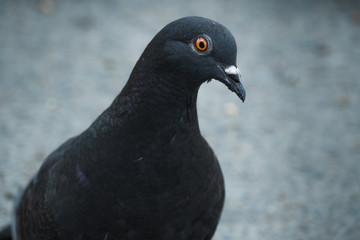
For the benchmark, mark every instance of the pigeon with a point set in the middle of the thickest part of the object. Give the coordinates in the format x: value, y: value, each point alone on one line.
x: 142, y: 169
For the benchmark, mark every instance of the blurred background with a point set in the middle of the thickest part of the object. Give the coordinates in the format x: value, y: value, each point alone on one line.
x: 290, y: 154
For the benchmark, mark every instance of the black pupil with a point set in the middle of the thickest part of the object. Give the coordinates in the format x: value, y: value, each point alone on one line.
x: 202, y: 45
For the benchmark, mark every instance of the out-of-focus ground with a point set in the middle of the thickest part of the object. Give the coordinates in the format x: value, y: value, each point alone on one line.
x: 290, y: 154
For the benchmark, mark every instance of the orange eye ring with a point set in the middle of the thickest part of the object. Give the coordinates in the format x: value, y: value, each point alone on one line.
x: 201, y: 44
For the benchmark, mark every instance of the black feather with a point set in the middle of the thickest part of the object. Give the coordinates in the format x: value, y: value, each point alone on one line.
x: 142, y: 170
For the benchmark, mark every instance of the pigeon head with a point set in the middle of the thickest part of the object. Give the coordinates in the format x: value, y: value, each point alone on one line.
x: 194, y: 50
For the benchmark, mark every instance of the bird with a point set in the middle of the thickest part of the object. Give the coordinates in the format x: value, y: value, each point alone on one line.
x: 142, y: 169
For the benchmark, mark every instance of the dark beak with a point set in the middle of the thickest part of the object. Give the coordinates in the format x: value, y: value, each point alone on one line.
x: 232, y: 79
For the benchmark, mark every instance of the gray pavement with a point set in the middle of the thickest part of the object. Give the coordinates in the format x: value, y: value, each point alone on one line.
x: 290, y: 154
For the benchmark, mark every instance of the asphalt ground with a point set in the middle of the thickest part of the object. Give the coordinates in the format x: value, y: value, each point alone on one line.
x: 290, y: 154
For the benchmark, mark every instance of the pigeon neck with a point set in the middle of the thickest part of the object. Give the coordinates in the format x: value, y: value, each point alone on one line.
x: 158, y: 104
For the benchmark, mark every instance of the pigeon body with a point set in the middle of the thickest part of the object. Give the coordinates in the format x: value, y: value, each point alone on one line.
x: 142, y: 170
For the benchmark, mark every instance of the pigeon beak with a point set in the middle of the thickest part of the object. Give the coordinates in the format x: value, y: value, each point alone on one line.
x: 232, y: 79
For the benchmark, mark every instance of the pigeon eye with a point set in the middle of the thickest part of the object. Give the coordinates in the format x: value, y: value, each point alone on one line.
x: 201, y: 44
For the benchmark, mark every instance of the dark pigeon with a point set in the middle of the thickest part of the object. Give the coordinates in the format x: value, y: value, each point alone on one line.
x: 142, y: 170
